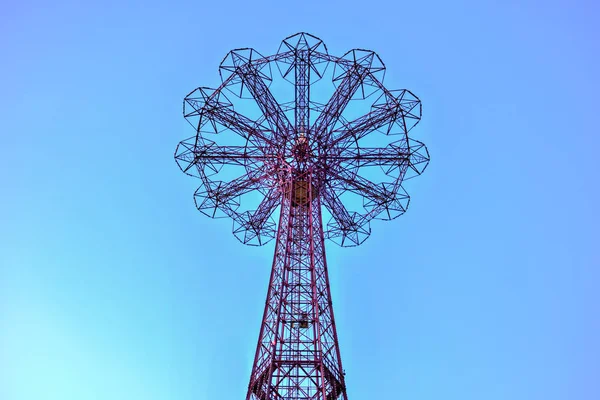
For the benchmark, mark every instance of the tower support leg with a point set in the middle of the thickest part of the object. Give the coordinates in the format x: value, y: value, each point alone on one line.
x: 297, y: 356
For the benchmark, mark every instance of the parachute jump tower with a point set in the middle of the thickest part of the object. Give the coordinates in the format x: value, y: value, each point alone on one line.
x: 276, y: 142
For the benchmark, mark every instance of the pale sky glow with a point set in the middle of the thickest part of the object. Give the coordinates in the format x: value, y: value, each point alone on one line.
x: 113, y: 286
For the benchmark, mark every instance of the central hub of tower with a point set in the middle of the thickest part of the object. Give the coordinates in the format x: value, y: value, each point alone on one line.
x: 301, y: 149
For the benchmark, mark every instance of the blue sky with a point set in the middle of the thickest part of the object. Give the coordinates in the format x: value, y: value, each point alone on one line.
x: 113, y: 286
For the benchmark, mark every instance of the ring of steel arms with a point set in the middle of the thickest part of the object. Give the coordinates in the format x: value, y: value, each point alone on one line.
x: 285, y: 141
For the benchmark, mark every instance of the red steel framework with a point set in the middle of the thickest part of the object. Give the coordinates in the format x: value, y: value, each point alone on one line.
x: 300, y: 158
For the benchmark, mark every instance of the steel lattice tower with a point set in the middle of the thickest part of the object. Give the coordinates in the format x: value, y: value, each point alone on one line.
x: 304, y: 157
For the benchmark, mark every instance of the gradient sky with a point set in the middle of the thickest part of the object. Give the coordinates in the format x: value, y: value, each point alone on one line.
x: 113, y: 286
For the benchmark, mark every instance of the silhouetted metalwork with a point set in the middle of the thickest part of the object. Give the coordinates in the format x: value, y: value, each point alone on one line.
x: 302, y: 151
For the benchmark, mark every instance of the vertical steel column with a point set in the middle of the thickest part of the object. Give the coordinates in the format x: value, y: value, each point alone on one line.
x: 297, y: 355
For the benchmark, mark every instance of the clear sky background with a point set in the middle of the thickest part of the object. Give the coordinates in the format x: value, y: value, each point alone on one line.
x: 113, y: 286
